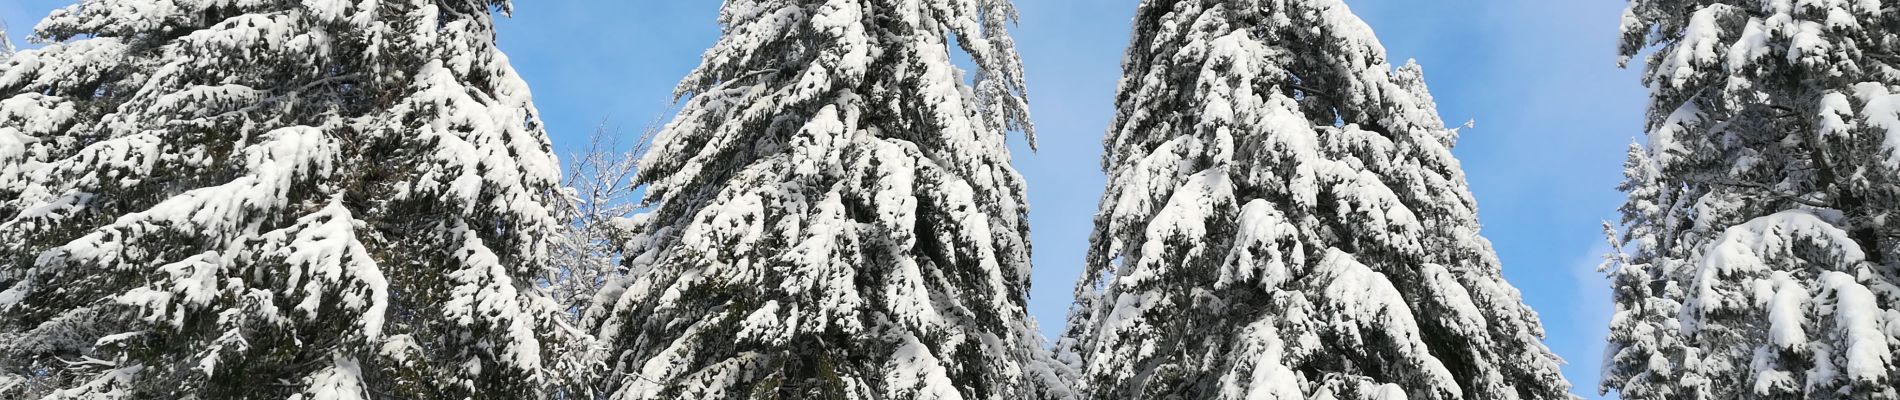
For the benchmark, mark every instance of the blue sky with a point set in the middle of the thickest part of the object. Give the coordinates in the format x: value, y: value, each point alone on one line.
x: 1553, y: 115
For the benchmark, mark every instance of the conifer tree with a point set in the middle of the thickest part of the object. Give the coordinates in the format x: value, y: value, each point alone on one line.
x: 833, y: 215
x: 1758, y: 254
x: 1285, y: 220
x: 320, y: 199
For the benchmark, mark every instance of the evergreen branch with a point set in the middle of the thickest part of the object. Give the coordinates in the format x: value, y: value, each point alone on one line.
x: 1799, y: 199
x: 1309, y: 90
x: 726, y: 83
x: 1786, y: 111
x: 294, y: 93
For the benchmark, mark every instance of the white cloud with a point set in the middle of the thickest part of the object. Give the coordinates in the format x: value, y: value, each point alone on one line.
x: 1590, y: 312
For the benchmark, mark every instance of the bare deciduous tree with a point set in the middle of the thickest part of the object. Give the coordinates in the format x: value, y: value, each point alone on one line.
x: 599, y: 192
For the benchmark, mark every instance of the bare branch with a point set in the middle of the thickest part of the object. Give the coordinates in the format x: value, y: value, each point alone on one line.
x: 599, y: 187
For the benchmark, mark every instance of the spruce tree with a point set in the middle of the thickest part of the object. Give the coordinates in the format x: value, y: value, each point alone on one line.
x: 268, y: 199
x: 1759, y: 254
x: 833, y: 215
x: 1284, y: 220
x: 1646, y: 307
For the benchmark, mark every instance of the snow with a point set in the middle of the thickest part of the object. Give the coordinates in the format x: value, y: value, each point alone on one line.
x: 1750, y: 47
x: 343, y: 380
x: 27, y: 119
x: 1666, y: 140
x: 1263, y: 233
x: 326, y: 250
x: 1751, y: 249
x: 194, y: 283
x: 915, y: 373
x: 1183, y: 220
x: 10, y: 384
x: 485, y: 295
x: 1787, y: 311
x: 763, y: 326
x: 841, y: 20
x: 1835, y: 113
x: 242, y: 37
x: 1367, y: 304
x: 1882, y: 112
x: 1461, y: 307
x: 53, y: 191
x: 1809, y: 45
x: 1270, y: 378
x: 52, y: 67
x: 108, y: 385
x: 1858, y: 316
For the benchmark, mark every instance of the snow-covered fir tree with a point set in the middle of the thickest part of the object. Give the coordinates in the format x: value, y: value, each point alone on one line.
x: 317, y: 199
x: 833, y: 215
x: 1285, y: 220
x: 1758, y: 259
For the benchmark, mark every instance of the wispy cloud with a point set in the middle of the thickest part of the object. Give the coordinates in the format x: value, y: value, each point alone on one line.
x: 1590, y: 314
